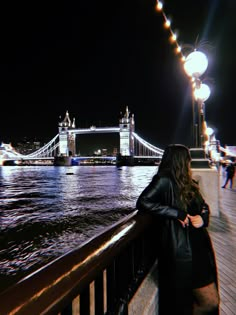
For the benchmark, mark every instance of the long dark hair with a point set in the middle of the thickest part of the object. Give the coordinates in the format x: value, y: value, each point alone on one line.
x: 176, y: 163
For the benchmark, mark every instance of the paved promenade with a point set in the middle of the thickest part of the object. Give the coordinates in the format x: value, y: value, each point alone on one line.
x: 223, y: 233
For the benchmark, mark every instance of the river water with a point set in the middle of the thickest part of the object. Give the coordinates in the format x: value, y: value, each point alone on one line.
x: 46, y: 211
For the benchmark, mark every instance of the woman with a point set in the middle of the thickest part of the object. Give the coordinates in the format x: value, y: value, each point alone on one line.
x: 186, y: 261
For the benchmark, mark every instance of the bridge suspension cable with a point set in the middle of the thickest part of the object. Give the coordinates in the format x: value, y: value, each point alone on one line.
x: 148, y: 145
x: 46, y: 150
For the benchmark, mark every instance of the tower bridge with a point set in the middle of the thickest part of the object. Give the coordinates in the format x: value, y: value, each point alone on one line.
x: 130, y: 142
x: 68, y: 132
x: 61, y: 149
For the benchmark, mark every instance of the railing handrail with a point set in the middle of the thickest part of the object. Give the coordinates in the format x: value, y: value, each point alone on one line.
x: 48, y: 289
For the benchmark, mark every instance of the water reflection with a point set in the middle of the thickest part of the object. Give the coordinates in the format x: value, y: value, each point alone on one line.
x: 47, y: 211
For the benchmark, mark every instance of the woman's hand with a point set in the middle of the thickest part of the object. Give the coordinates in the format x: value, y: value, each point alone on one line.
x: 185, y: 222
x: 196, y: 220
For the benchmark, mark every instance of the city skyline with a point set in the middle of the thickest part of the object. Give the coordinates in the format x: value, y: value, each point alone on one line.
x: 94, y: 59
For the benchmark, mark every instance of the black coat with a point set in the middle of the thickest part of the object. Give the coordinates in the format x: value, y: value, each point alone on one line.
x: 160, y: 199
x: 230, y: 170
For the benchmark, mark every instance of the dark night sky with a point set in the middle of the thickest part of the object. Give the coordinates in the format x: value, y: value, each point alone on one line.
x: 93, y: 58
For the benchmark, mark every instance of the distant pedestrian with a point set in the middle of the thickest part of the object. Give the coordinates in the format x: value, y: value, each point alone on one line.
x: 230, y: 171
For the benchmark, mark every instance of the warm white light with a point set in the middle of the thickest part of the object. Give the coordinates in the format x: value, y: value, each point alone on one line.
x: 195, y: 64
x: 209, y: 131
x: 173, y: 37
x: 178, y: 49
x: 167, y: 23
x: 159, y: 5
x: 202, y: 93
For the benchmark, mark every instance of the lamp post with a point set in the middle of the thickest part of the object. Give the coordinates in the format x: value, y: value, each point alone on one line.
x: 195, y: 65
x: 201, y: 94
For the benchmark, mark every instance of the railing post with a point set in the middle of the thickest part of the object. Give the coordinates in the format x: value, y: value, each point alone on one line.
x: 99, y: 295
x: 85, y: 301
x: 111, y: 288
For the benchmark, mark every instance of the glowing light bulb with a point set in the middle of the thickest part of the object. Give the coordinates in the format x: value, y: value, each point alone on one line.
x: 178, y: 49
x: 202, y: 93
x: 173, y: 37
x: 159, y: 5
x: 167, y: 23
x: 195, y: 64
x: 209, y: 131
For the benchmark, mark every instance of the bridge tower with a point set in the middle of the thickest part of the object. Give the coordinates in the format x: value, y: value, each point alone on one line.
x: 67, y: 145
x: 126, y: 138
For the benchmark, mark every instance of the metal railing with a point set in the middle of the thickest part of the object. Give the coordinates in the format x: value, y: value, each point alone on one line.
x: 99, y: 277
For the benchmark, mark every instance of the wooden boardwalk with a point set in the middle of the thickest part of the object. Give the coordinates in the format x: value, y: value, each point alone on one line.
x: 223, y: 233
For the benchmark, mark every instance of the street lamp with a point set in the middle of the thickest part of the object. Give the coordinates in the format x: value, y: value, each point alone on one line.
x: 195, y: 65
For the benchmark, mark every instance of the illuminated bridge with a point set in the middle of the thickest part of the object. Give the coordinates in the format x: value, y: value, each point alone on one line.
x: 62, y: 148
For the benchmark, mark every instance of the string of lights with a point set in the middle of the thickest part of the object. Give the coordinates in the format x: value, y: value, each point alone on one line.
x: 194, y: 65
x: 173, y: 35
x: 174, y: 41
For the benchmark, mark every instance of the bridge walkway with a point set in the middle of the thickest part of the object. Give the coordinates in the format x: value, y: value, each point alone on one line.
x: 223, y: 233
